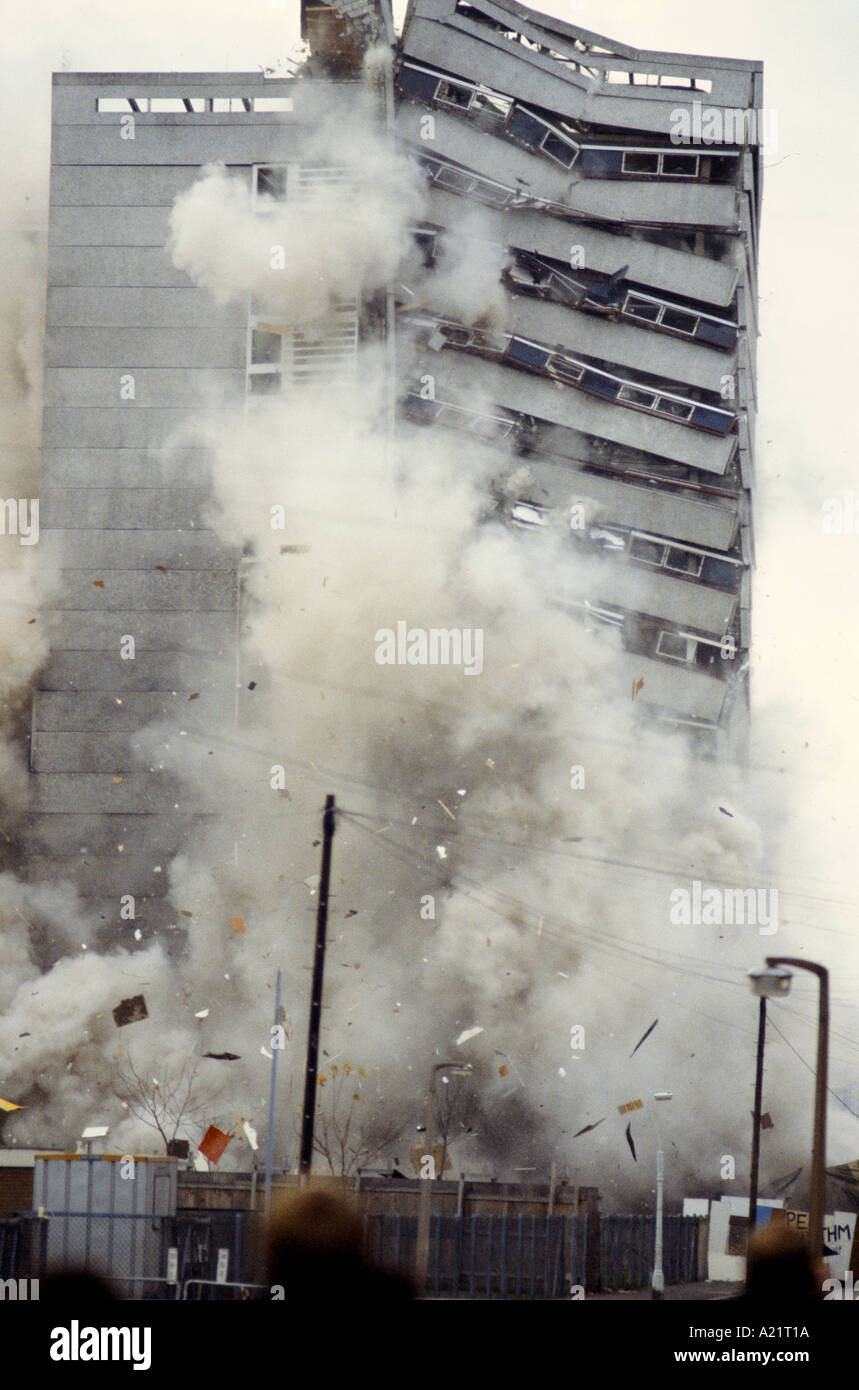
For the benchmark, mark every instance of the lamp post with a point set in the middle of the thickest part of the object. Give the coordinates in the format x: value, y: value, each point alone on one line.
x: 423, y: 1240
x: 657, y: 1282
x: 775, y: 980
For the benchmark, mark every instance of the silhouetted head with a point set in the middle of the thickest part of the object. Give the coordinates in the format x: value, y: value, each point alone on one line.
x: 315, y: 1250
x: 779, y: 1265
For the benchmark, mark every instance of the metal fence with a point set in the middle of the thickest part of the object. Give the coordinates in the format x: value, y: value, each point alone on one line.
x: 217, y: 1254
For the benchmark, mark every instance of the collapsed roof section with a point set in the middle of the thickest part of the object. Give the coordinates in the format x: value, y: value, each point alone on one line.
x: 339, y: 35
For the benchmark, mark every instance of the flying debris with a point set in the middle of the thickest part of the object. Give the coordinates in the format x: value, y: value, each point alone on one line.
x: 587, y: 1129
x: 726, y: 813
x: 131, y: 1010
x: 223, y: 1056
x: 469, y: 1033
x: 629, y: 1141
x: 202, y: 1013
x: 213, y: 1143
x: 238, y: 925
x: 630, y: 1105
x: 9, y: 1105
x: 644, y: 1037
x: 250, y: 1134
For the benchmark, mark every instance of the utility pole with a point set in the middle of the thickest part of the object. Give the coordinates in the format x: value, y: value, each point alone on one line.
x: 756, y: 1118
x: 309, y: 1111
x: 269, y: 1148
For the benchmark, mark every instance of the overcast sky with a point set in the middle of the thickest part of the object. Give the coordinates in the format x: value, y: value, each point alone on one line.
x: 805, y: 669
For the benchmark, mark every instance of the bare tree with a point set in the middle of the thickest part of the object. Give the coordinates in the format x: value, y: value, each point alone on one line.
x: 454, y: 1105
x: 346, y: 1134
x: 169, y: 1101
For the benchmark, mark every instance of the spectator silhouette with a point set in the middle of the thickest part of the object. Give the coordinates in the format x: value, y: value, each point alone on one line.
x: 781, y: 1269
x: 315, y: 1251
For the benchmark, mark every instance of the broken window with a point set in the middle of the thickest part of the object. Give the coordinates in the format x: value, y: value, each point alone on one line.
x: 642, y: 308
x: 680, y: 320
x: 683, y: 561
x: 272, y: 181
x: 454, y: 94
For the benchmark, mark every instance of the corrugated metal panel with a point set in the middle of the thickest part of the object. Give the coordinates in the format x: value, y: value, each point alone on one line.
x: 639, y: 590
x: 82, y: 387
x: 661, y: 512
x: 183, y: 142
x: 459, y: 378
x: 139, y: 308
x: 677, y: 272
x: 677, y: 688
x: 621, y: 343
x: 134, y: 348
x: 114, y: 266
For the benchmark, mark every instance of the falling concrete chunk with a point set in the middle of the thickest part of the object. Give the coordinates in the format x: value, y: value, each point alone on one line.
x: 465, y: 1036
x: 131, y: 1010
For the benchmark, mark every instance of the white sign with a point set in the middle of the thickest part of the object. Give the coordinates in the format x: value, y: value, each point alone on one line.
x: 223, y: 1264
x: 172, y: 1264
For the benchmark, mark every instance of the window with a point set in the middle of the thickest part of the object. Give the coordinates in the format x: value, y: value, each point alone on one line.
x: 600, y: 161
x: 600, y: 384
x: 648, y: 552
x: 640, y: 162
x: 633, y: 396
x: 679, y: 320
x: 454, y: 94
x: 561, y: 150
x: 523, y: 126
x: 723, y: 335
x: 719, y: 421
x: 675, y: 410
x: 567, y: 371
x: 641, y: 309
x: 272, y: 104
x: 265, y: 347
x: 674, y: 647
x: 272, y: 181
x: 414, y: 82
x: 529, y: 354
x: 682, y: 166
x: 683, y: 561
x: 449, y: 177
x: 491, y: 104
x: 716, y: 571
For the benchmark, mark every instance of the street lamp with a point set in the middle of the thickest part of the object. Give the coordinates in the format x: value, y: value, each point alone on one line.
x: 657, y: 1283
x: 773, y: 982
x: 767, y: 982
x: 423, y: 1240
